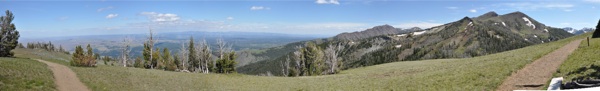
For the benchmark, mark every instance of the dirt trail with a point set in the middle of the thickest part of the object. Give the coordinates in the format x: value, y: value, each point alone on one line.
x: 536, y: 74
x: 65, y: 79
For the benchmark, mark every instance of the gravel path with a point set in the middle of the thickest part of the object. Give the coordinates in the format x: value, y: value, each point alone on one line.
x: 536, y: 74
x: 65, y: 79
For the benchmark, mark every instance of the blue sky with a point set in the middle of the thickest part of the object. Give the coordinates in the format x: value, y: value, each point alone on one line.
x: 38, y: 19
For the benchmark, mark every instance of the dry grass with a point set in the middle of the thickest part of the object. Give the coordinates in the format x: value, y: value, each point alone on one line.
x: 479, y: 73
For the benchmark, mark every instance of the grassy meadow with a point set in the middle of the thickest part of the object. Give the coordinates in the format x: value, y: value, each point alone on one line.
x: 19, y: 74
x: 583, y: 63
x: 478, y: 73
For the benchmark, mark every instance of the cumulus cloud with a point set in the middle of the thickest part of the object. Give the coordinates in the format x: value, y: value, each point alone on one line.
x: 110, y: 16
x: 259, y: 8
x: 160, y: 17
x: 103, y: 9
x: 473, y: 10
x: 327, y: 2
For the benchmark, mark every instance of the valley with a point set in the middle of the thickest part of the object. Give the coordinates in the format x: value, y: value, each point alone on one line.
x: 316, y: 45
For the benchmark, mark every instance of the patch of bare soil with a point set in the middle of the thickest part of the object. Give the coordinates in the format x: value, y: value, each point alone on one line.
x: 65, y: 79
x: 536, y: 74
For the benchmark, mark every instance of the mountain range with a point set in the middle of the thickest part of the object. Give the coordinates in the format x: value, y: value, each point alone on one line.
x: 576, y: 31
x: 468, y: 37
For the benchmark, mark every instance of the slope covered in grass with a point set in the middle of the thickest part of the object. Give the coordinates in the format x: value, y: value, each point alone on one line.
x: 18, y: 74
x: 583, y: 63
x: 478, y: 73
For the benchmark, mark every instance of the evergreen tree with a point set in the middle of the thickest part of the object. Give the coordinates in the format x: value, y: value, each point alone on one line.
x: 146, y: 54
x: 139, y: 63
x: 155, y: 60
x: 192, y: 58
x: 8, y: 35
x: 81, y: 58
x: 168, y: 60
x: 227, y: 63
x: 77, y: 56
x: 597, y: 31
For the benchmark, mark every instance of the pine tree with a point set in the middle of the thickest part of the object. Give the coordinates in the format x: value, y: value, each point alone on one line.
x: 168, y: 60
x: 8, y: 35
x: 77, y: 56
x: 139, y: 63
x: 146, y: 54
x: 90, y: 59
x: 192, y: 59
x: 155, y: 59
x: 597, y: 31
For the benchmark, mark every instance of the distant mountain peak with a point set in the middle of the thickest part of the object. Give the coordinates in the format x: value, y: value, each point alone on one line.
x: 383, y: 26
x: 466, y: 18
x: 516, y: 14
x: 487, y: 15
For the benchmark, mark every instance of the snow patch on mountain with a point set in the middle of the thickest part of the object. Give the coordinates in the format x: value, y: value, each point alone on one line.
x: 528, y: 22
x: 504, y: 24
x: 419, y: 33
x: 401, y: 35
x: 398, y: 46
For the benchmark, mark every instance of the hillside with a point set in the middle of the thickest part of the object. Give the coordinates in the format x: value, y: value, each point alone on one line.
x: 468, y: 37
x: 477, y: 73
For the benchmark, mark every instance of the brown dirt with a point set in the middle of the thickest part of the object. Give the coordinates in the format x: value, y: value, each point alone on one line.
x: 65, y: 79
x: 536, y: 74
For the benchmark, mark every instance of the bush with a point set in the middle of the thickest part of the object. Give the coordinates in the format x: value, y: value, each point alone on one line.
x: 82, y: 59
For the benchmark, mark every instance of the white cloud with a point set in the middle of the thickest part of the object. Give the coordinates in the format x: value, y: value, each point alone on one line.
x: 592, y: 1
x: 417, y: 24
x: 259, y: 8
x: 103, y: 9
x: 536, y: 6
x: 110, y: 16
x: 472, y: 10
x: 230, y: 18
x: 327, y: 2
x: 453, y: 8
x: 160, y: 17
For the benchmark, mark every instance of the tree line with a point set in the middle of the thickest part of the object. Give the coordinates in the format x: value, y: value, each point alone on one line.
x: 312, y: 60
x: 198, y: 58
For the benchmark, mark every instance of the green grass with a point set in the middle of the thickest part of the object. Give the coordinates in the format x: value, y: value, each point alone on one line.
x: 583, y: 63
x: 478, y: 73
x: 18, y: 74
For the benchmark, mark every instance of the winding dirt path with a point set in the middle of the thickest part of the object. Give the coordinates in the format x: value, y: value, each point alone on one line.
x: 65, y: 79
x: 536, y: 74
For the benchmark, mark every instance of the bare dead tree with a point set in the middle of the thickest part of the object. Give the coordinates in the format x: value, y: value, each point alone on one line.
x: 183, y: 56
x: 299, y: 61
x: 151, y: 40
x: 331, y: 57
x: 205, y: 56
x: 221, y: 45
x: 285, y: 67
x: 125, y: 51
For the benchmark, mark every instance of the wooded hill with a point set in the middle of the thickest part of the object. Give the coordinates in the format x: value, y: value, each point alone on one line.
x: 468, y: 37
